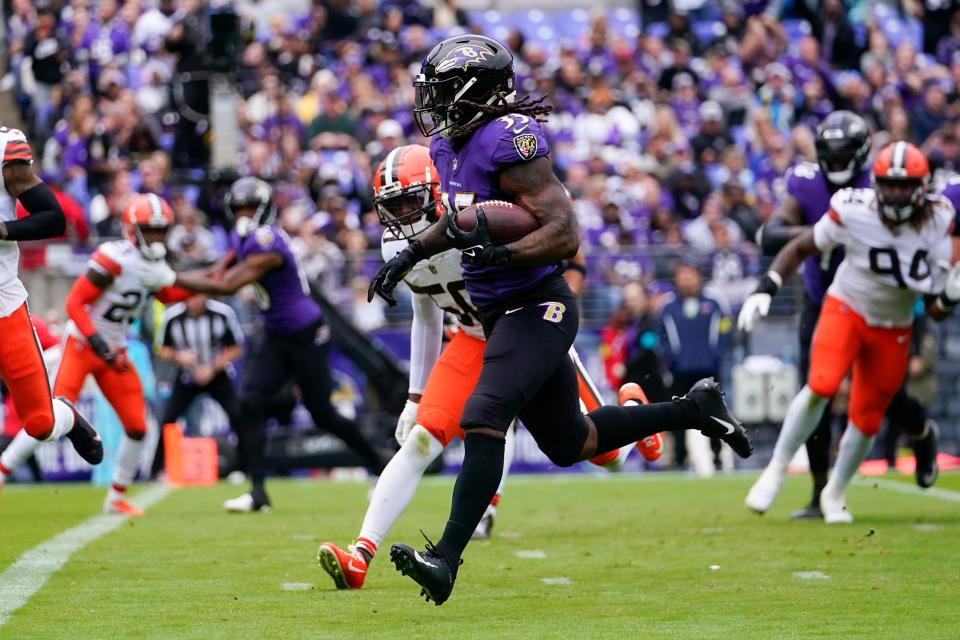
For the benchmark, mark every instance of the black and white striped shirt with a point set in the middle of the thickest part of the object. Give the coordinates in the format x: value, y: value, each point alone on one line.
x: 207, y: 335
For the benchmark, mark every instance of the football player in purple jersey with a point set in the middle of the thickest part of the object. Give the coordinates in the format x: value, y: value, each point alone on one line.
x: 295, y: 340
x: 843, y: 148
x: 488, y: 144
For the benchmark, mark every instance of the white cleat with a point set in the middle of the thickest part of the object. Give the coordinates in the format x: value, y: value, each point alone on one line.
x: 245, y: 504
x: 765, y: 489
x: 485, y: 526
x: 834, y: 509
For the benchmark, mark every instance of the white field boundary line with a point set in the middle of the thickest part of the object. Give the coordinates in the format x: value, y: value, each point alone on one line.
x: 902, y: 487
x: 31, y: 571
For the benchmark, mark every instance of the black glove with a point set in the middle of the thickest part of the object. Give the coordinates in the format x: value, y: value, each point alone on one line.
x: 112, y: 357
x: 392, y: 272
x: 476, y: 246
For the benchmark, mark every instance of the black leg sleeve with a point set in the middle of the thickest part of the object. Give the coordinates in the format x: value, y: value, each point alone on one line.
x: 476, y: 485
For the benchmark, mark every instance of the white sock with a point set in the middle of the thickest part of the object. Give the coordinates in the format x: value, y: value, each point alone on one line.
x: 854, y: 447
x: 398, y: 483
x: 128, y: 461
x: 509, y: 446
x: 803, y: 415
x: 63, y: 420
x: 21, y: 448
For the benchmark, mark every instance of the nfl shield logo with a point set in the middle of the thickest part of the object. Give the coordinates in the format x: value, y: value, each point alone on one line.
x: 526, y: 145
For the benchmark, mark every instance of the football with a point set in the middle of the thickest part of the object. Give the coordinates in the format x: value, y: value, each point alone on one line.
x: 506, y: 221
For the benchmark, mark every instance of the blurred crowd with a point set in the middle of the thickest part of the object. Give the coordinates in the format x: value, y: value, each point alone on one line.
x: 674, y: 121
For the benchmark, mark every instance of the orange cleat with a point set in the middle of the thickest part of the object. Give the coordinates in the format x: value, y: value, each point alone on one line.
x: 652, y: 446
x: 348, y: 570
x: 123, y: 508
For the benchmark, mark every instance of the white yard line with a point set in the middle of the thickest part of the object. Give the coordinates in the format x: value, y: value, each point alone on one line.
x: 31, y: 571
x: 902, y: 487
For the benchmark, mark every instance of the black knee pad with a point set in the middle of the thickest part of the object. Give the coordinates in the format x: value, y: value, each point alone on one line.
x: 564, y: 446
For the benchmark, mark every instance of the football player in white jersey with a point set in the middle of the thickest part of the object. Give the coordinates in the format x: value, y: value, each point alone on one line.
x: 897, y: 241
x: 21, y: 363
x: 407, y: 198
x: 121, y: 277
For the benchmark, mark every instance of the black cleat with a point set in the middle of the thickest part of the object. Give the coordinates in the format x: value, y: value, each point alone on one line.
x: 810, y: 512
x: 925, y: 451
x: 83, y: 436
x: 718, y: 422
x: 428, y: 569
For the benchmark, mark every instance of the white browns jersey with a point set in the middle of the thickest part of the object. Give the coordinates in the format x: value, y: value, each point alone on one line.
x: 123, y: 301
x: 884, y: 269
x: 441, y: 279
x: 13, y: 147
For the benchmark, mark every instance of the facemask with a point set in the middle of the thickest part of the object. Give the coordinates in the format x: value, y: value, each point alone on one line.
x: 840, y: 178
x: 243, y: 226
x: 155, y: 251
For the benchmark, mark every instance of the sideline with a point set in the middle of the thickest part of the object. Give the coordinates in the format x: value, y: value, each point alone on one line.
x: 903, y: 487
x: 31, y: 571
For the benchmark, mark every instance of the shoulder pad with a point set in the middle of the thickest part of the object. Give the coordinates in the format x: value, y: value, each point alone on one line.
x: 264, y: 237
x: 802, y: 172
x: 15, y: 146
x: 112, y: 257
x: 847, y: 199
x: 519, y: 138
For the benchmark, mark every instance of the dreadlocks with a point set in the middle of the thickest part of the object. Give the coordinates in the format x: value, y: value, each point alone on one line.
x: 525, y: 106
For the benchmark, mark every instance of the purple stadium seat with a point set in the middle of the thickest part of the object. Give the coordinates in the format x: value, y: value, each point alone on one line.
x: 706, y: 31
x: 796, y: 29
x: 621, y: 19
x: 657, y: 30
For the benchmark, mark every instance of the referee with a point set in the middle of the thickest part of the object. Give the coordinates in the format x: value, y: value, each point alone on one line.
x: 203, y: 338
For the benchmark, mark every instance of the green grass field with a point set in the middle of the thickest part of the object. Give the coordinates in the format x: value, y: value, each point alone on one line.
x: 635, y: 552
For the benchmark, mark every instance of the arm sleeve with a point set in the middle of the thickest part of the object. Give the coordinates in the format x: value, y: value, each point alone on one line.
x: 426, y: 336
x: 83, y: 293
x: 170, y: 295
x: 46, y: 219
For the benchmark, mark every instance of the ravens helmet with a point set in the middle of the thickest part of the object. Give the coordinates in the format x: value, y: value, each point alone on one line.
x: 250, y: 193
x: 843, y: 144
x: 462, y: 68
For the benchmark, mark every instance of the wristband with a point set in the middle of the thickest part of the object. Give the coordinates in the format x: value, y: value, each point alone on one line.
x: 416, y: 248
x: 498, y: 256
x: 770, y: 283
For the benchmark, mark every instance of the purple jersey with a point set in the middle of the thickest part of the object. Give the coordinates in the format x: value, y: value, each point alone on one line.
x: 469, y: 175
x: 810, y: 188
x: 952, y: 193
x: 283, y: 295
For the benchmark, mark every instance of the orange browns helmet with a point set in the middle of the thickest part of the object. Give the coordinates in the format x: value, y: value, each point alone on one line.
x: 406, y: 191
x: 901, y: 179
x: 148, y: 212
